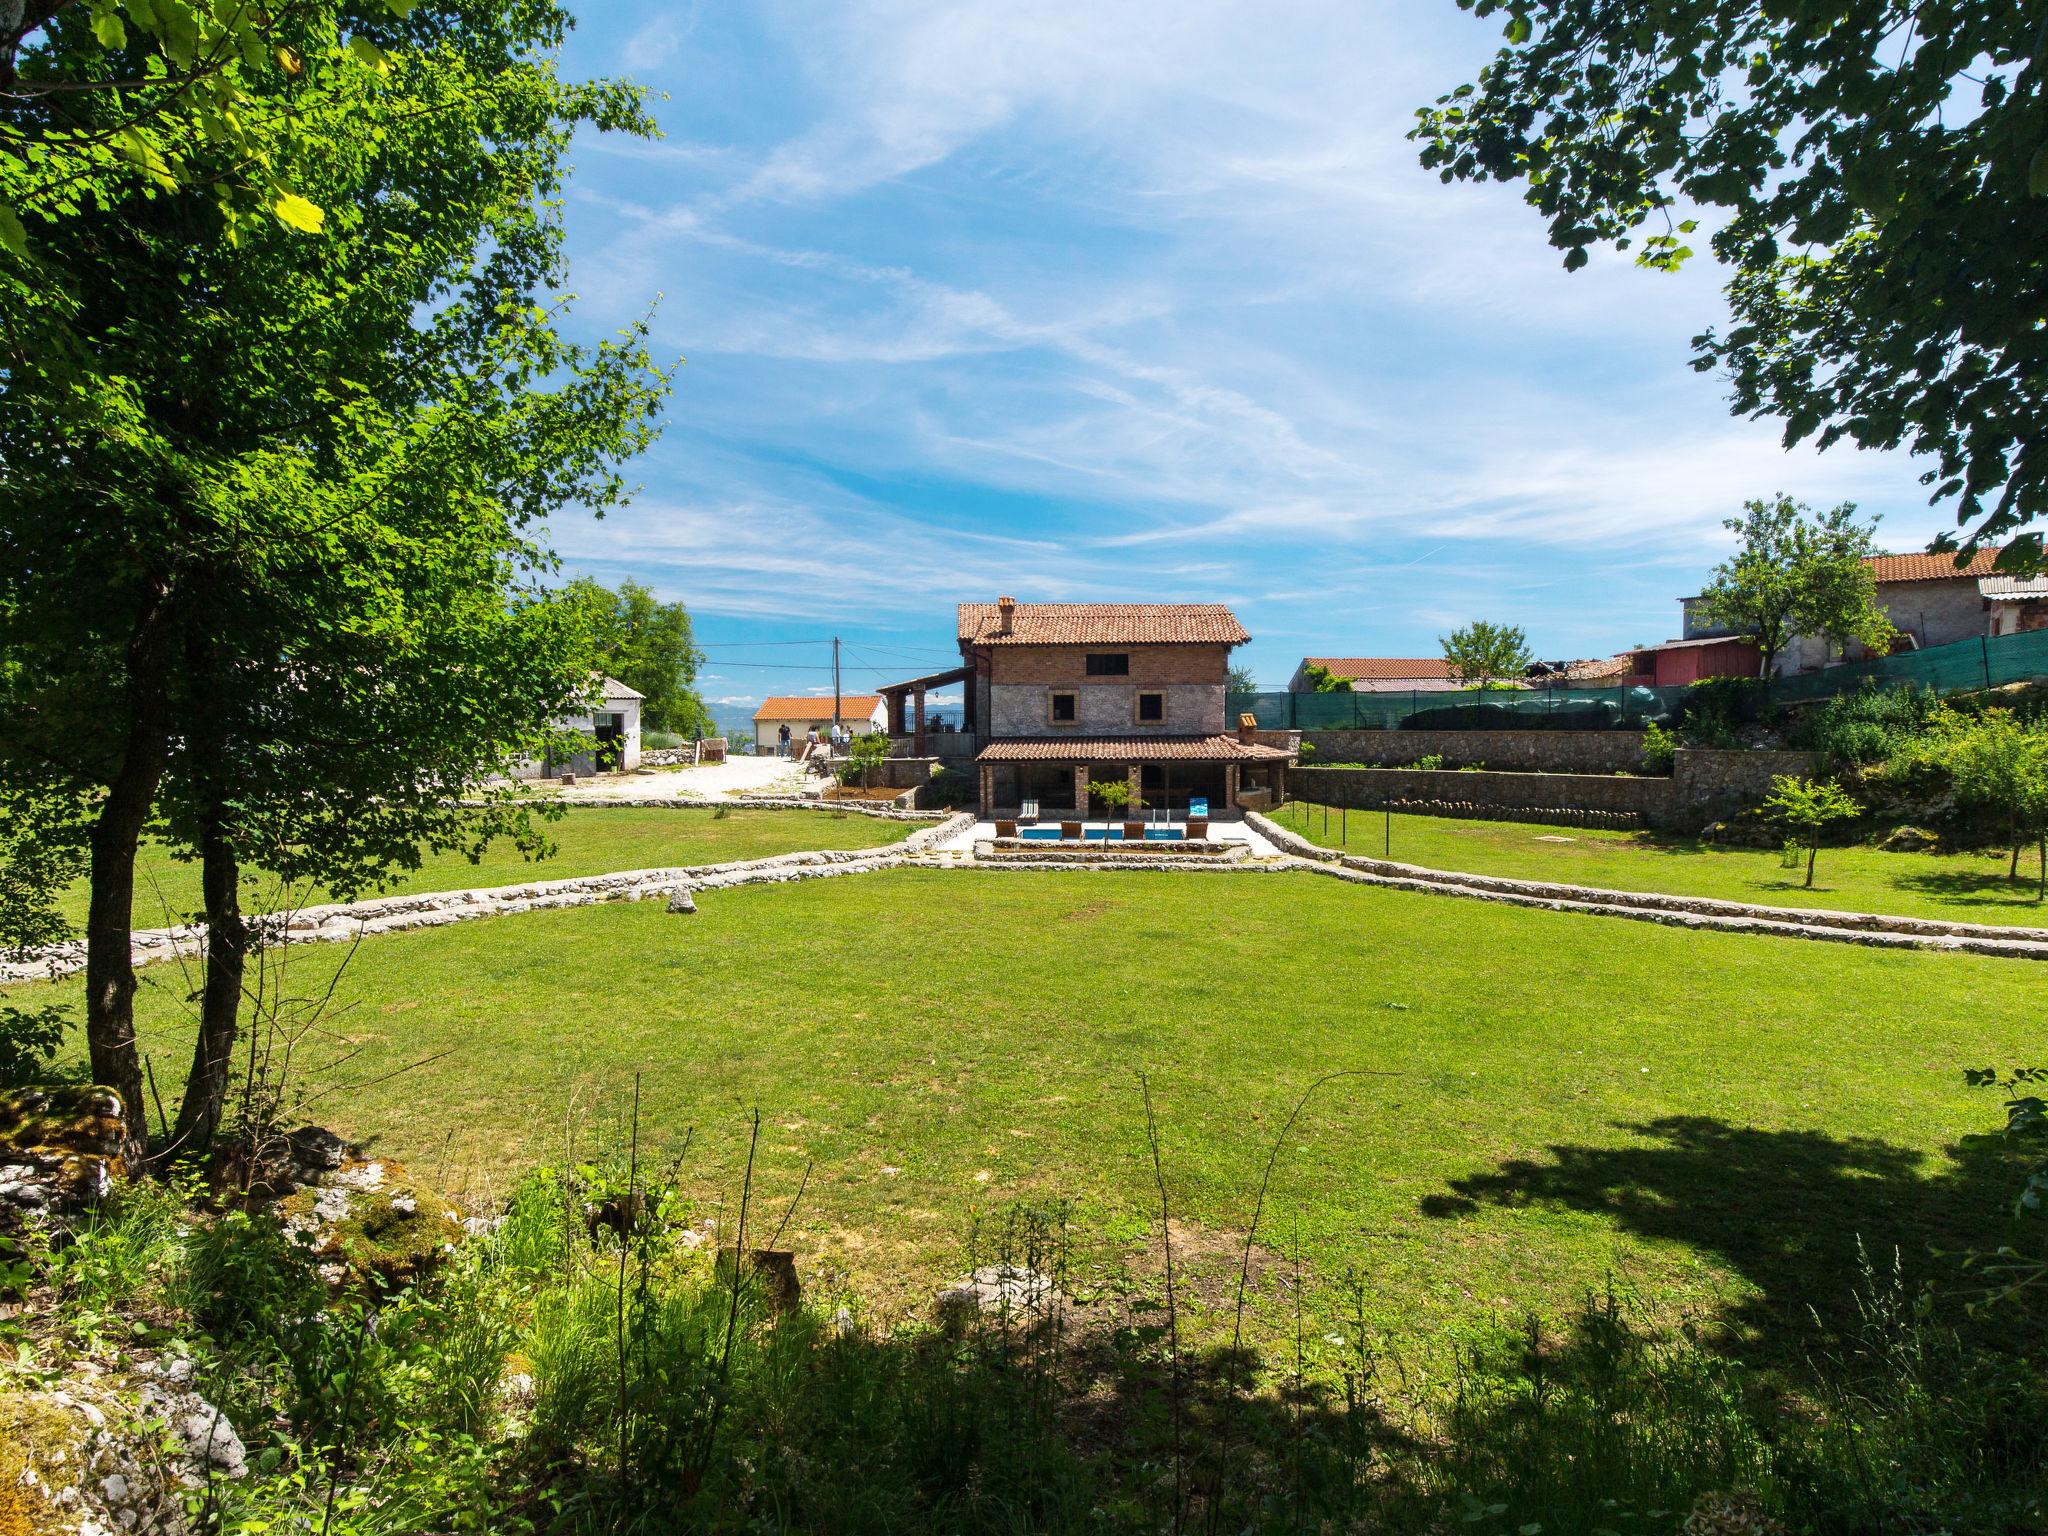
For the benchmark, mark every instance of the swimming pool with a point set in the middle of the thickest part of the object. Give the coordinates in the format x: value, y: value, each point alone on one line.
x: 1104, y: 834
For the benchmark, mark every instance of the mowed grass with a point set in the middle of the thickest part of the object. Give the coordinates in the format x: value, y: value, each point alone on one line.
x: 1556, y: 1099
x: 588, y: 840
x: 1960, y: 887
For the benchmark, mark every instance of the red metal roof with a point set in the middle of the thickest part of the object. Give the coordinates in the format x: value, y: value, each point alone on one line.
x: 1380, y: 668
x: 1127, y: 749
x: 1104, y: 624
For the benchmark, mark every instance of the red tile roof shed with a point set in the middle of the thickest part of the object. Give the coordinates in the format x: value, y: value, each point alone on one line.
x: 1380, y: 668
x: 852, y: 706
x: 1930, y: 567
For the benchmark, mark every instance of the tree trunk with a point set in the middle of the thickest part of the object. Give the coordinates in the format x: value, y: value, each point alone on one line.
x: 109, y: 922
x: 2041, y: 894
x: 1812, y: 857
x: 2012, y: 871
x: 220, y: 1004
x: 227, y: 937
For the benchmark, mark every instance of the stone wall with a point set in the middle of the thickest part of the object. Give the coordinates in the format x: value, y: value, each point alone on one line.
x: 1534, y: 751
x: 1704, y: 786
x: 1529, y: 796
x: 1106, y: 707
x: 1707, y: 786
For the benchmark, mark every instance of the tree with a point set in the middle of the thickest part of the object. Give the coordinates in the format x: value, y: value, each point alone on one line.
x: 1240, y: 680
x: 102, y: 99
x: 1808, y: 807
x: 1881, y: 197
x: 1321, y: 679
x: 1483, y: 651
x: 2000, y: 764
x: 1114, y: 795
x: 1798, y: 573
x: 864, y: 755
x: 646, y: 644
x: 272, y: 494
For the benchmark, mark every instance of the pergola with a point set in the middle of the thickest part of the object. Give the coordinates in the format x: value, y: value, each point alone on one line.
x: 915, y: 689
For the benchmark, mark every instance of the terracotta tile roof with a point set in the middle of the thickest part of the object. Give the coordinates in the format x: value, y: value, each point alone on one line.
x: 1606, y: 666
x: 1127, y: 749
x: 852, y: 706
x: 1379, y: 668
x: 1104, y: 624
x: 1930, y: 567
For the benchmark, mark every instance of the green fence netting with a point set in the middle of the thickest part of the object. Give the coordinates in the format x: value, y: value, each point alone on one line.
x: 1985, y: 663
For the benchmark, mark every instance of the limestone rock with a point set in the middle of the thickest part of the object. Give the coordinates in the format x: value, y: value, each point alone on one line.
x: 369, y: 1219
x: 1909, y: 840
x: 680, y: 900
x: 997, y: 1289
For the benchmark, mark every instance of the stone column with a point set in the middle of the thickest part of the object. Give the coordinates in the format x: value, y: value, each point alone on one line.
x: 988, y: 790
x: 1230, y: 786
x: 1134, y: 780
x: 1081, y: 790
x: 917, y: 743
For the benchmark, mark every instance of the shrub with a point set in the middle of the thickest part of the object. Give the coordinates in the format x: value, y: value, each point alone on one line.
x: 1307, y: 752
x: 29, y: 1038
x: 1714, y: 707
x: 1660, y: 748
x: 1807, y: 807
x: 1868, y: 724
x: 660, y: 741
x: 1429, y: 761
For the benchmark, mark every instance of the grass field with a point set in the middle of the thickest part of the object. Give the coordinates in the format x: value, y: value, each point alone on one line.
x: 587, y: 841
x: 1964, y: 887
x: 1713, y: 1118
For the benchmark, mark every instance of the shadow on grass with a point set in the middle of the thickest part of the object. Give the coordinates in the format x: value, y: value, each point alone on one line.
x: 1961, y: 888
x: 1785, y: 1209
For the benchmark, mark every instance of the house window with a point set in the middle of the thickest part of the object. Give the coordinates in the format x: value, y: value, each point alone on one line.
x: 1061, y: 709
x: 1151, y: 708
x: 1114, y: 665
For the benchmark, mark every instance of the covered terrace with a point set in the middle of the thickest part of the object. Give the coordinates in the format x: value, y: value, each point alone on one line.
x: 1164, y: 773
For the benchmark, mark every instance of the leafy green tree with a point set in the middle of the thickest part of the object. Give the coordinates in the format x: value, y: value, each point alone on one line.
x: 1879, y: 190
x: 1240, y: 680
x: 1481, y: 652
x: 1114, y: 794
x: 2000, y: 764
x: 1795, y: 573
x: 647, y: 645
x: 863, y: 756
x: 1808, y: 807
x: 1321, y: 679
x: 274, y: 494
x: 103, y: 98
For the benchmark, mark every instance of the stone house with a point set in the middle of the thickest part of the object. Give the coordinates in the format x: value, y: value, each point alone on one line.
x: 1063, y: 694
x: 1930, y: 601
x: 613, y: 725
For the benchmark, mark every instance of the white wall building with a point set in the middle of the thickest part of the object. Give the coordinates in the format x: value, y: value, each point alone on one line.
x: 862, y: 711
x: 613, y: 724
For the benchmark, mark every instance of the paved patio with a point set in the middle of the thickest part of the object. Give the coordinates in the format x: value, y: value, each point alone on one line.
x: 734, y: 776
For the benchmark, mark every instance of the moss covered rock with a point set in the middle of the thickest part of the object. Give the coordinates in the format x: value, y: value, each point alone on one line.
x: 61, y: 1147
x: 370, y: 1220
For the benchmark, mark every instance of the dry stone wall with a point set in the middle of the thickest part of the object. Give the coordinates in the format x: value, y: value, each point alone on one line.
x: 1703, y: 786
x: 1530, y: 751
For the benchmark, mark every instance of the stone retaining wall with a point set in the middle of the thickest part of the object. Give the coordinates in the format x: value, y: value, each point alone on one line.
x: 1704, y: 786
x: 1528, y: 751
x: 343, y: 921
x: 880, y: 811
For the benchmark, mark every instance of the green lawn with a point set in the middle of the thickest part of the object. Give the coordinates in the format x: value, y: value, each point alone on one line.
x: 1713, y: 1118
x: 587, y: 841
x: 1964, y: 887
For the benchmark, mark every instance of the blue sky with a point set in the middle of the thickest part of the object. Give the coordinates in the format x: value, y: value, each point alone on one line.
x: 1132, y: 301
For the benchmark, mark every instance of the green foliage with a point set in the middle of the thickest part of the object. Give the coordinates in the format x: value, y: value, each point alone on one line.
x: 42, y: 832
x: 1239, y: 679
x: 658, y: 741
x: 1808, y: 807
x: 647, y: 645
x: 1714, y: 707
x: 1660, y: 748
x: 1429, y: 761
x: 1868, y: 725
x: 1321, y: 679
x: 866, y: 753
x: 1483, y: 651
x: 1114, y: 794
x: 1875, y: 181
x: 1798, y: 573
x: 2000, y: 764
x: 29, y: 1041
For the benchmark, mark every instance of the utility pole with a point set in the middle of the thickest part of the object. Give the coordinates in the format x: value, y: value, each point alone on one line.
x: 835, y: 680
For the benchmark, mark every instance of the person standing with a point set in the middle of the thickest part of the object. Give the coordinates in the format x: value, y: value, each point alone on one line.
x: 782, y: 740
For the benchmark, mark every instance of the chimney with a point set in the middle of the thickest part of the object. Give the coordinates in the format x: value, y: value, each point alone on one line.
x: 1248, y: 728
x: 1006, y: 610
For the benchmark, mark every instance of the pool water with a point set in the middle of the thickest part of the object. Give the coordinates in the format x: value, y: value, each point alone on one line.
x: 1101, y: 834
